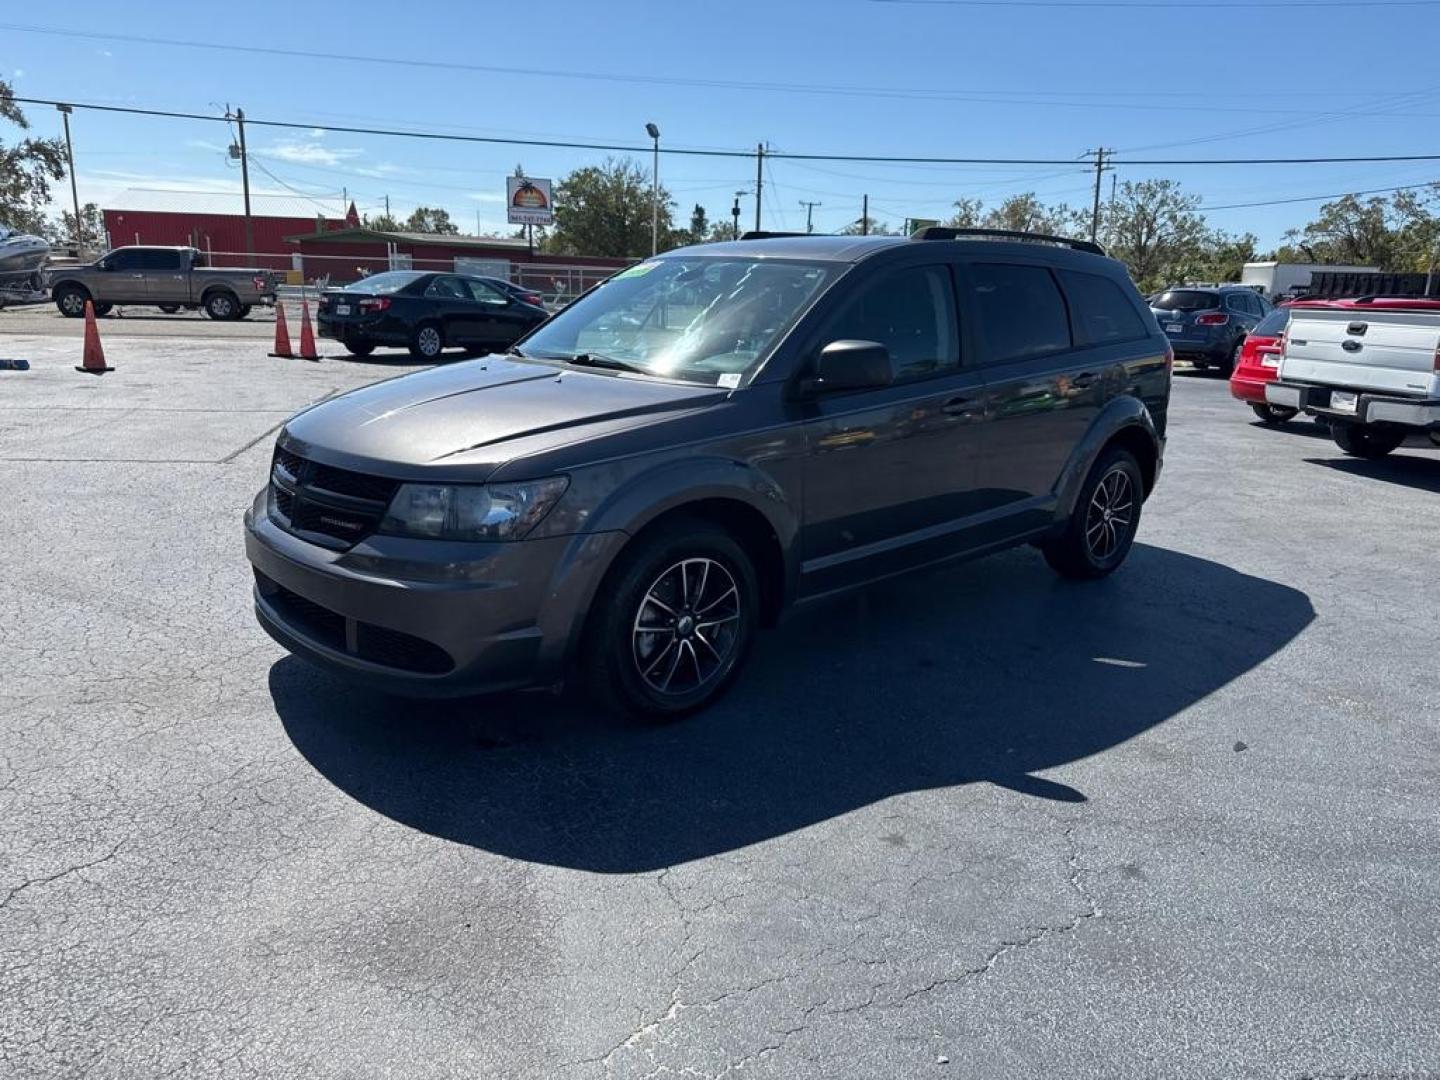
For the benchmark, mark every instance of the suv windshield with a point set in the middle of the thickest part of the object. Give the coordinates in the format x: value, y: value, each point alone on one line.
x: 391, y: 281
x: 701, y: 319
x: 1185, y: 300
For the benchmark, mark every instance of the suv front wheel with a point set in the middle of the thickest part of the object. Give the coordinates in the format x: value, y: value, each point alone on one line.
x: 1102, y: 526
x: 673, y: 623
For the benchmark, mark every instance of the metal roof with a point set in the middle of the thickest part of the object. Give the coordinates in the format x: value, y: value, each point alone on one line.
x: 181, y: 201
x: 432, y: 239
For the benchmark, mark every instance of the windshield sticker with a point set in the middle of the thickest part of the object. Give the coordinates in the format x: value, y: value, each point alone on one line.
x: 639, y: 270
x: 729, y: 380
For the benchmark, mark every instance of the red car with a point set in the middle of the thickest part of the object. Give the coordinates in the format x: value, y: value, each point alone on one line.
x: 1260, y: 363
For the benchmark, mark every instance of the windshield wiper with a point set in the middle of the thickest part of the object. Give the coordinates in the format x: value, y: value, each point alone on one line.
x: 514, y: 350
x: 596, y: 360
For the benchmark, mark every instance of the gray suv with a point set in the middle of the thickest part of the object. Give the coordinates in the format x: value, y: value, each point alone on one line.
x: 704, y: 441
x: 1207, y: 325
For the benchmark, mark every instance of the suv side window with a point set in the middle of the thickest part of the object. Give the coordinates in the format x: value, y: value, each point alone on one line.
x: 1020, y: 311
x: 910, y: 312
x: 1236, y: 302
x: 1103, y: 313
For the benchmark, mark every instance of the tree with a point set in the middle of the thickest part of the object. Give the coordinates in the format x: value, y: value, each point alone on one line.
x: 867, y: 226
x: 1396, y: 233
x: 1025, y: 213
x: 382, y: 223
x: 1152, y: 226
x: 431, y: 219
x: 699, y: 226
x: 92, y: 222
x: 967, y: 213
x: 26, y: 170
x: 605, y: 210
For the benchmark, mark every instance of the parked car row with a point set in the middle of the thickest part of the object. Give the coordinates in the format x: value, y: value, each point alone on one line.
x: 1369, y: 368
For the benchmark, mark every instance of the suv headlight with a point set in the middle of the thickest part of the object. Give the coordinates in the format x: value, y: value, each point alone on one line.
x: 471, y: 511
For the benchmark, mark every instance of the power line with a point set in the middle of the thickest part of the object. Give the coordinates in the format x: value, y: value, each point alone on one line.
x: 1059, y: 98
x: 896, y: 159
x: 1318, y: 198
x: 1160, y: 5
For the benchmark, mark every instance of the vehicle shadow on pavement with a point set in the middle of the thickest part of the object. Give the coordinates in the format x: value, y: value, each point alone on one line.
x: 1422, y: 474
x: 986, y: 672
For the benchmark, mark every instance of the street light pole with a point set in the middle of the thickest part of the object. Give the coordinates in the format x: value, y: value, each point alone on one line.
x: 809, y: 212
x: 65, y: 111
x: 735, y: 215
x: 654, y: 133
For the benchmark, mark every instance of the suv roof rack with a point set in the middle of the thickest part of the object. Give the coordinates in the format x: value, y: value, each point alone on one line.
x: 944, y: 232
x: 759, y: 234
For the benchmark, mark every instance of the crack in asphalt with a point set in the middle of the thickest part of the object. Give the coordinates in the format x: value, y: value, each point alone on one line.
x: 48, y: 878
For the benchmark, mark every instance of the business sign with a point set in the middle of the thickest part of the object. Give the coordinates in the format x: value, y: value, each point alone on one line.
x: 528, y: 201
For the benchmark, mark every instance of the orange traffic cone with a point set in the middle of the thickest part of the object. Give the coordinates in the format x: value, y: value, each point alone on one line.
x: 282, y: 335
x: 93, y: 360
x: 307, y: 336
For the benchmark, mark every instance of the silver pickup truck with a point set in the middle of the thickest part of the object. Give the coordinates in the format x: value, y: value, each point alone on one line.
x: 1369, y: 367
x: 169, y: 278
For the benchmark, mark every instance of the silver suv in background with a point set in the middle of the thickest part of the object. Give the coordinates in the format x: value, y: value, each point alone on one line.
x: 169, y: 278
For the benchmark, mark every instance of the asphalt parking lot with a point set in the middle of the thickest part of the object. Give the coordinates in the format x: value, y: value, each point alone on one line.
x: 982, y: 823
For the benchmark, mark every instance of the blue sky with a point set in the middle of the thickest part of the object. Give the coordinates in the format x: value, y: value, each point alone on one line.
x: 921, y: 78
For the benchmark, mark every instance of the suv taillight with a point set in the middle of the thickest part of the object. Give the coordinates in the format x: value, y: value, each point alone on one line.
x: 1214, y: 318
x: 375, y: 303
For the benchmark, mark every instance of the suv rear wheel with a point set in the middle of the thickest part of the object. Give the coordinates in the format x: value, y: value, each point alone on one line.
x: 673, y: 622
x: 1102, y: 526
x: 1365, y: 442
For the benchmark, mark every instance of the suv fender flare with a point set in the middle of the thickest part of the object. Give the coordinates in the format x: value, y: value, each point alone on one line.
x: 1124, y: 413
x: 671, y: 486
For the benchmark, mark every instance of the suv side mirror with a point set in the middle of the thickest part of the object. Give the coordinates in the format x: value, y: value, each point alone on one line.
x: 852, y: 365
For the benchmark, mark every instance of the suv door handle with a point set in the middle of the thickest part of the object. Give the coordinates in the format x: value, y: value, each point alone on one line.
x: 961, y: 406
x: 1084, y: 379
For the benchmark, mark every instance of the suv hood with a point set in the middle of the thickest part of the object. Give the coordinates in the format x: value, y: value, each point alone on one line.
x: 472, y: 414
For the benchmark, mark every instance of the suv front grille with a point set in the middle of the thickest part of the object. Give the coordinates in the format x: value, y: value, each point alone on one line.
x: 321, y: 501
x: 377, y: 644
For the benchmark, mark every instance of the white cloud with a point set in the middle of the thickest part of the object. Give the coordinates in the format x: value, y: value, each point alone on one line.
x: 304, y: 153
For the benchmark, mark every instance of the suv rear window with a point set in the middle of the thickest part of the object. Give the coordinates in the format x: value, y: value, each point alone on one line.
x: 1020, y: 309
x: 1103, y: 313
x: 1186, y: 300
x: 1273, y: 325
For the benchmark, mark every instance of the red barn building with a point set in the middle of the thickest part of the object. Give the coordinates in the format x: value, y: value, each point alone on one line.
x: 215, y: 223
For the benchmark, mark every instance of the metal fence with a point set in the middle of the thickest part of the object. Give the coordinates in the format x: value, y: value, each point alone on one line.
x: 557, y: 282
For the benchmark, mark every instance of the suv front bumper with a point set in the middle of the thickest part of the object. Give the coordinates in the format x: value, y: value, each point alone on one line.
x: 426, y: 618
x: 1370, y: 408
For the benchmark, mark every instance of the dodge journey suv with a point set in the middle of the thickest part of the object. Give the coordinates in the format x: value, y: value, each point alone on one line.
x: 704, y: 441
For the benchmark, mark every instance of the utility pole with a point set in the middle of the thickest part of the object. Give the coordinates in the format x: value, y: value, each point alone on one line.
x: 809, y: 210
x: 865, y: 215
x: 1099, y: 153
x: 239, y: 117
x: 735, y: 215
x: 65, y: 111
x: 759, y: 180
x: 387, y: 206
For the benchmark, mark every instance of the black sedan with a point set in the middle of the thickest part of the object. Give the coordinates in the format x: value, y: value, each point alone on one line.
x: 425, y: 312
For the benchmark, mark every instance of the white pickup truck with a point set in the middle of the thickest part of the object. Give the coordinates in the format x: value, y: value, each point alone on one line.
x: 1370, y: 367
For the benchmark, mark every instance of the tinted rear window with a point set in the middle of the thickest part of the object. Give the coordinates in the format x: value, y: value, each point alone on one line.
x: 1103, y: 313
x: 1186, y: 300
x: 1020, y: 310
x: 1273, y: 325
x: 389, y: 282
